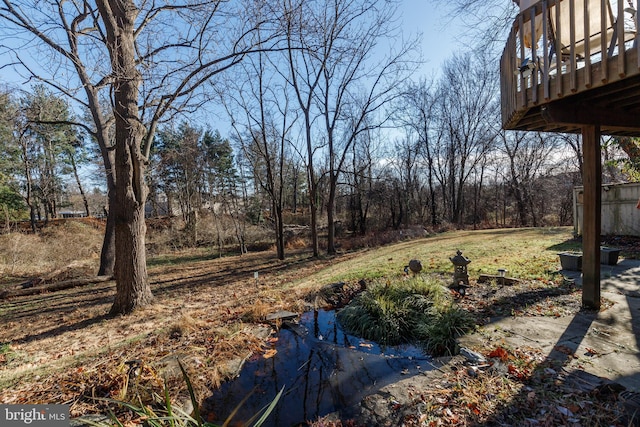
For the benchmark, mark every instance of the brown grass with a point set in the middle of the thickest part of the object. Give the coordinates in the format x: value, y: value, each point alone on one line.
x: 70, y: 243
x: 62, y: 348
x: 166, y: 235
x: 297, y: 242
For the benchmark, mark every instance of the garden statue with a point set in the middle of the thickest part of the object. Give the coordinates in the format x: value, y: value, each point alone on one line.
x: 460, y: 275
x: 415, y: 266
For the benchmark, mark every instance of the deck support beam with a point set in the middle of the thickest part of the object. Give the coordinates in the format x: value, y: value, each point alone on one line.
x: 589, y: 119
x: 578, y: 114
x: 592, y: 216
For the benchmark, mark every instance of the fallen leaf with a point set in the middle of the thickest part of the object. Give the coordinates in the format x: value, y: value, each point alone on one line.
x: 499, y: 353
x: 591, y: 352
x: 574, y: 408
x: 270, y: 353
x: 564, y: 411
x: 520, y: 374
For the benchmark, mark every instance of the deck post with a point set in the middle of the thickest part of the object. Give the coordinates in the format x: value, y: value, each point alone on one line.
x: 592, y: 181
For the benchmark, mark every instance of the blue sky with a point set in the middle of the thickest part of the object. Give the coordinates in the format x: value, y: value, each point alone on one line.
x: 441, y: 34
x: 440, y: 39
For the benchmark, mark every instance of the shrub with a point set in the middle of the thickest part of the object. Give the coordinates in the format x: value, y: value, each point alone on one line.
x: 417, y: 310
x: 439, y: 335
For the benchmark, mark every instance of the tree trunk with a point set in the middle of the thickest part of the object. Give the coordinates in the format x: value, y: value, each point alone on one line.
x: 313, y: 187
x: 331, y: 229
x: 522, y: 210
x: 7, y: 221
x: 108, y: 252
x: 294, y: 207
x: 132, y: 283
x: 191, y: 227
x: 314, y: 226
x: 279, y: 230
x: 29, y: 187
x: 432, y: 194
x: 352, y: 211
x: 32, y: 219
x: 79, y: 183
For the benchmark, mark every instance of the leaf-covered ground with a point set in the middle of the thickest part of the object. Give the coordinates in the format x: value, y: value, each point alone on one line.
x: 513, y: 387
x: 60, y: 347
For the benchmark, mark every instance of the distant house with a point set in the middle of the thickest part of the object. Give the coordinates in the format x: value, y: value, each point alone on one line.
x: 72, y: 214
x: 160, y: 206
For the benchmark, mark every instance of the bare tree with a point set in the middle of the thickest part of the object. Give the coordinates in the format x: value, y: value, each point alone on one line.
x: 405, y: 165
x: 338, y: 81
x: 467, y: 109
x: 361, y: 181
x: 160, y: 54
x: 529, y: 156
x: 416, y: 113
x: 263, y: 131
x: 303, y: 38
x: 488, y: 21
x: 574, y: 142
x: 74, y: 156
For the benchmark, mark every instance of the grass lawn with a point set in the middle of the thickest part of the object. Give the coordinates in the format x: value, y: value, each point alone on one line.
x: 60, y: 347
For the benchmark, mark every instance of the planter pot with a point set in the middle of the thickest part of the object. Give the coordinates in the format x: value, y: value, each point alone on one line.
x: 609, y: 256
x: 571, y: 261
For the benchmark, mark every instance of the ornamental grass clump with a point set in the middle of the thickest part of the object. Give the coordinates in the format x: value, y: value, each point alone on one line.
x: 165, y: 414
x: 419, y: 310
x: 439, y: 335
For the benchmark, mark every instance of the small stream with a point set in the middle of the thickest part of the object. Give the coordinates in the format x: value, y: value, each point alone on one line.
x: 322, y: 369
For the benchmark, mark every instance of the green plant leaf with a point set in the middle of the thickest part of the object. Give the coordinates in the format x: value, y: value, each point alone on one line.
x: 167, y: 403
x: 192, y: 395
x: 266, y: 411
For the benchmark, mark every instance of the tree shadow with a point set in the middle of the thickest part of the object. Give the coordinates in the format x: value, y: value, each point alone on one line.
x: 56, y: 303
x: 513, y: 304
x: 94, y: 296
x: 574, y: 244
x: 64, y: 329
x: 574, y: 378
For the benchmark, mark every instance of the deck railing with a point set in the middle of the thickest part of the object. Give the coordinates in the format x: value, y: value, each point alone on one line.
x: 557, y: 48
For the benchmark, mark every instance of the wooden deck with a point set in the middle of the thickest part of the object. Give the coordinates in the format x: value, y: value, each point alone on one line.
x: 594, y: 81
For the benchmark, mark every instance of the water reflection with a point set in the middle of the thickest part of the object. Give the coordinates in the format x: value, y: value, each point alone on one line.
x: 322, y: 369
